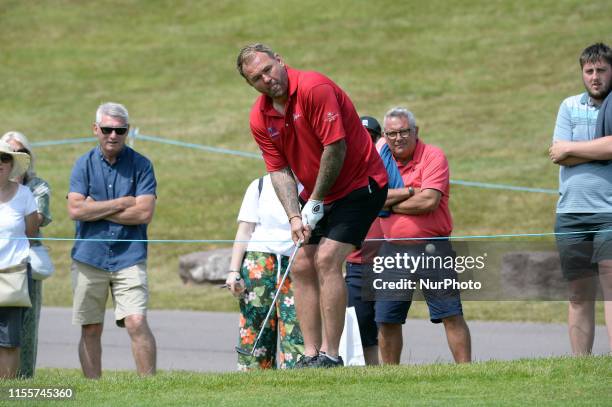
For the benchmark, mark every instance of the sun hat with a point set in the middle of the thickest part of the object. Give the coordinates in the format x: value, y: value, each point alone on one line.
x: 21, y: 161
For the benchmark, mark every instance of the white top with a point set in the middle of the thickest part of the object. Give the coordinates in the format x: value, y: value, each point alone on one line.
x: 12, y: 225
x: 272, y: 232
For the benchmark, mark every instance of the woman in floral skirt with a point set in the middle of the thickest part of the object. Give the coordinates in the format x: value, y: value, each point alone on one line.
x: 259, y: 258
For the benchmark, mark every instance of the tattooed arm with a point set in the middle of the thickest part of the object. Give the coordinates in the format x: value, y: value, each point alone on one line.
x: 332, y: 160
x: 286, y: 190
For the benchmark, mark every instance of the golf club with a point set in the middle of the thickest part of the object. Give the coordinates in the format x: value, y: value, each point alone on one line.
x: 272, y: 306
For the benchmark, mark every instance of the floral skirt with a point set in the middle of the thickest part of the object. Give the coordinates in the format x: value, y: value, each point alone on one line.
x: 261, y: 275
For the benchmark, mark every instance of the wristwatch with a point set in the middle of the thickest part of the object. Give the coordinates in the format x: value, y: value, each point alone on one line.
x: 410, y: 191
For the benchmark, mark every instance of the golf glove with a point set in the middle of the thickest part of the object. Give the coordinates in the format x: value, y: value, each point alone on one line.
x: 312, y: 213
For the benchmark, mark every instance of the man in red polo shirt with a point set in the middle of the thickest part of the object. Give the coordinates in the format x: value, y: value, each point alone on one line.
x: 306, y: 125
x: 419, y: 210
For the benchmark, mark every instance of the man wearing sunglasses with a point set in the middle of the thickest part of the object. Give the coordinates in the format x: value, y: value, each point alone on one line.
x: 418, y: 210
x: 112, y: 199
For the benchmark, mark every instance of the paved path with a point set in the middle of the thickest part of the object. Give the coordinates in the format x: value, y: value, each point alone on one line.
x: 204, y: 341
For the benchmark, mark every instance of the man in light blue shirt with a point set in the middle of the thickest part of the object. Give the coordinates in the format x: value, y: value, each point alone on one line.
x: 112, y: 199
x: 584, y: 209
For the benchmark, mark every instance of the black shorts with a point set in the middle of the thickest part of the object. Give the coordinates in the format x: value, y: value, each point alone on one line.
x: 580, y: 253
x: 348, y: 219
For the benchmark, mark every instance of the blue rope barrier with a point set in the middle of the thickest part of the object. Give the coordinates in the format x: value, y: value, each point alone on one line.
x: 239, y: 153
x: 503, y: 186
x: 200, y: 147
x: 62, y: 142
x: 505, y: 235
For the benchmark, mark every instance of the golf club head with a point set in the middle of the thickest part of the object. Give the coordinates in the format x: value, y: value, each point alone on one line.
x: 244, y: 352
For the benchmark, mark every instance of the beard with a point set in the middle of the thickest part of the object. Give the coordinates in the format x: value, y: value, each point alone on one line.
x: 277, y: 90
x: 599, y: 94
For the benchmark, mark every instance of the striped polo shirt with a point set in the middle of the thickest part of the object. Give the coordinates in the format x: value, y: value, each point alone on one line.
x: 583, y: 188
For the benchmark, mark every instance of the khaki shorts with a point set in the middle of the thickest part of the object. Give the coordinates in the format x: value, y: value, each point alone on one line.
x: 90, y: 287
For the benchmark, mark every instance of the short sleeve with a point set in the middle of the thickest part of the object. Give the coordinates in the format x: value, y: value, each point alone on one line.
x: 273, y: 158
x: 78, y: 178
x: 250, y: 204
x: 29, y: 201
x: 436, y: 173
x: 325, y: 114
x: 563, y: 125
x: 146, y: 182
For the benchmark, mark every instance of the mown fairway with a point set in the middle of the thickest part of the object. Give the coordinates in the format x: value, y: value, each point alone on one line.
x: 545, y: 382
x: 484, y: 78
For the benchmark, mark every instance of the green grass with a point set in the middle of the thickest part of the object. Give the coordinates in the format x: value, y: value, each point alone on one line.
x: 545, y: 382
x: 484, y: 78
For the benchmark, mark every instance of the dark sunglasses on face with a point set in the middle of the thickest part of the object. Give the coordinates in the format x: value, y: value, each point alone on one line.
x: 120, y: 131
x: 6, y: 158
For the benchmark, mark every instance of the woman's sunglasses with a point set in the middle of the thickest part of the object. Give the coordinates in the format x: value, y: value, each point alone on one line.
x: 6, y: 158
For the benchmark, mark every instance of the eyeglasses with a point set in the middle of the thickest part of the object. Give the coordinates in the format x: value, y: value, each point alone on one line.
x: 392, y: 135
x: 6, y: 158
x: 120, y: 131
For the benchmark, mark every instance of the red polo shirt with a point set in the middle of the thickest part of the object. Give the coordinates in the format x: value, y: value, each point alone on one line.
x: 427, y: 169
x: 318, y: 113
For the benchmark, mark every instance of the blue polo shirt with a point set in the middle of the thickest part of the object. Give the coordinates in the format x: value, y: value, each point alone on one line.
x: 131, y: 175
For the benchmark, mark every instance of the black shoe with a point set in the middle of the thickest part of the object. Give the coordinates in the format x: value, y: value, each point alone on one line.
x: 325, y: 361
x: 306, y: 361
